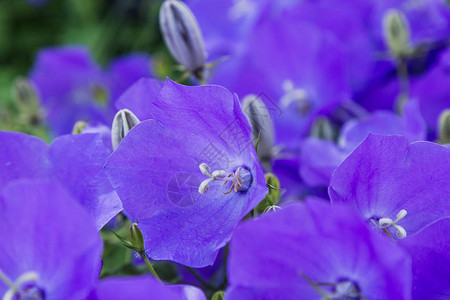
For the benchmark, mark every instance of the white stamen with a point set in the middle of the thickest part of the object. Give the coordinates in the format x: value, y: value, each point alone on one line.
x: 221, y: 175
x: 26, y: 277
x: 401, y: 215
x: 401, y: 232
x: 204, y: 185
x: 216, y: 175
x: 292, y: 95
x: 271, y: 208
x: 204, y: 168
x: 387, y: 222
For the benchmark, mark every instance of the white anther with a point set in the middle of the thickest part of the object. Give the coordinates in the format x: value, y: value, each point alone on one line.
x: 385, y: 222
x: 293, y: 95
x: 204, y: 168
x: 204, y: 185
x: 219, y: 174
x: 401, y: 232
x: 401, y: 215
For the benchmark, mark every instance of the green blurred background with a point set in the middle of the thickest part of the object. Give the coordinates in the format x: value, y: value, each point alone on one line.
x: 109, y: 28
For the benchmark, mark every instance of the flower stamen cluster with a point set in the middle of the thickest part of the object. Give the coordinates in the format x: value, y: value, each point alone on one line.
x: 385, y: 223
x: 220, y: 175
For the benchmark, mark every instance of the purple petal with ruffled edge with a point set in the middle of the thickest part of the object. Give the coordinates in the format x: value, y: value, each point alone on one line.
x: 319, y: 158
x: 75, y: 160
x: 47, y: 232
x: 386, y: 174
x: 430, y: 252
x: 139, y: 98
x: 143, y: 288
x: 410, y: 124
x: 270, y: 257
x: 155, y: 171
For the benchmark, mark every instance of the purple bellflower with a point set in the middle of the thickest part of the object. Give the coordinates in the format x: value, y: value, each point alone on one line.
x: 315, y: 251
x: 190, y: 174
x: 51, y: 249
x: 430, y: 252
x: 282, y: 57
x: 143, y: 288
x: 401, y: 188
x: 76, y: 161
x: 72, y: 87
x: 319, y: 157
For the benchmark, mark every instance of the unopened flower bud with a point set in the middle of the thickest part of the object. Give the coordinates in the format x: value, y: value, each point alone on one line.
x: 323, y: 129
x: 260, y: 119
x: 25, y: 94
x: 136, y: 238
x: 79, y: 127
x: 182, y: 35
x: 444, y: 127
x: 122, y: 124
x: 27, y: 101
x: 397, y: 33
x: 220, y: 295
x: 273, y: 196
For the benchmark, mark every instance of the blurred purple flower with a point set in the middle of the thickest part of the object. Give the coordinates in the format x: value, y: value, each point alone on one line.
x: 188, y: 175
x: 400, y: 187
x: 319, y: 158
x: 291, y: 61
x: 143, y: 288
x: 71, y: 86
x: 51, y: 248
x: 315, y: 251
x: 76, y: 161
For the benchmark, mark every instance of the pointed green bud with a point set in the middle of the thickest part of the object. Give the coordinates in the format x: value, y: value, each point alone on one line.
x: 25, y: 94
x: 79, y: 127
x: 27, y: 101
x: 220, y: 295
x: 260, y: 120
x: 136, y: 238
x: 182, y: 35
x: 122, y: 124
x: 273, y: 196
x: 323, y: 129
x: 444, y: 127
x: 397, y: 33
x: 274, y: 187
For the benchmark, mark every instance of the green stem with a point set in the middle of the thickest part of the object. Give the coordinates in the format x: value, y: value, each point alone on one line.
x: 149, y: 265
x: 403, y: 77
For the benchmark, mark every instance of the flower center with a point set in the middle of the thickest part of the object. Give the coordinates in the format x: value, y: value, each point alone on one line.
x: 344, y: 289
x: 239, y: 180
x: 295, y: 95
x: 24, y: 288
x: 387, y: 224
